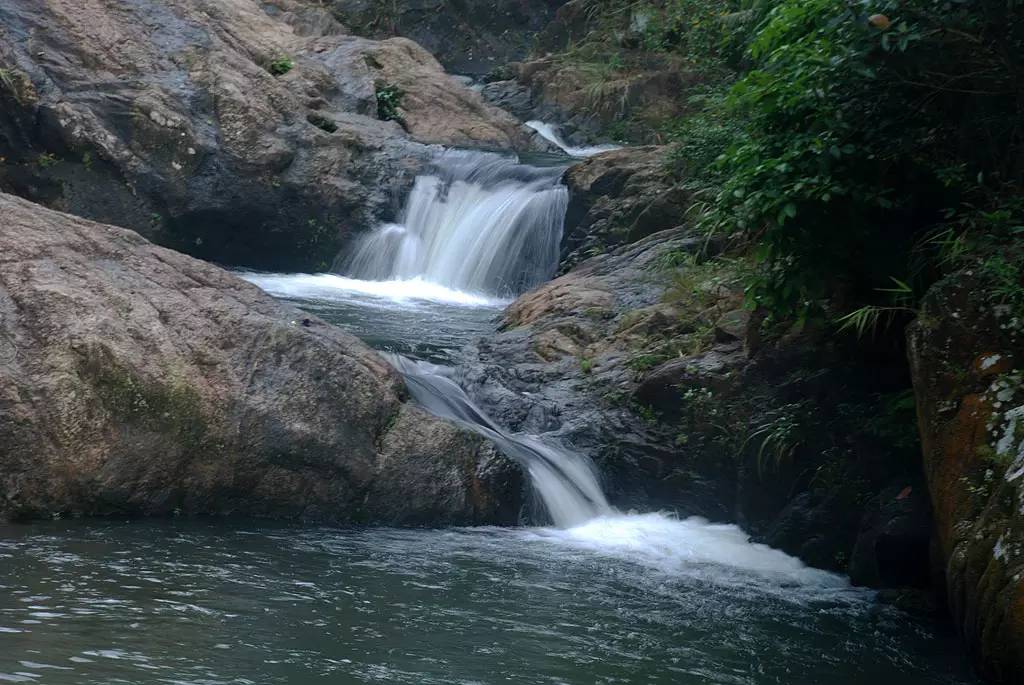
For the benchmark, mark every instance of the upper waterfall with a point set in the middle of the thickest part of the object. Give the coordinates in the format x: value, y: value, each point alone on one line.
x: 475, y: 222
x: 553, y: 134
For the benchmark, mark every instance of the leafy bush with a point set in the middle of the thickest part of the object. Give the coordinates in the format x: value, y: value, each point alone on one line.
x: 868, y: 128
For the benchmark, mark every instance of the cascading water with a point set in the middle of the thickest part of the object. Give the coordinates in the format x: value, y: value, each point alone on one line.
x: 569, y: 489
x: 478, y: 222
x: 553, y: 134
x: 566, y: 482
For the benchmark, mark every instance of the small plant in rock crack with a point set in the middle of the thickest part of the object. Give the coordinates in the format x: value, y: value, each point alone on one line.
x: 279, y: 66
x: 389, y: 101
x: 46, y: 160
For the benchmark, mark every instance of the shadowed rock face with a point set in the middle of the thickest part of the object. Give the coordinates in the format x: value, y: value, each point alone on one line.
x: 619, y: 197
x: 182, y: 120
x: 136, y: 380
x: 467, y: 36
x: 966, y: 356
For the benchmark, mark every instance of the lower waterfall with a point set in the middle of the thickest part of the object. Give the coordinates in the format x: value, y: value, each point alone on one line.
x: 566, y: 482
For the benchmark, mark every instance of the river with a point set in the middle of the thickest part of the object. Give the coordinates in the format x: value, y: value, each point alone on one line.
x: 598, y: 596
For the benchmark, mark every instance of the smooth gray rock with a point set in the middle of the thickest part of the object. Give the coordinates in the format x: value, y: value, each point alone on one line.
x: 138, y: 381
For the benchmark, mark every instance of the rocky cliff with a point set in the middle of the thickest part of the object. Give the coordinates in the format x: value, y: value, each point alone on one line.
x: 966, y: 352
x: 135, y: 380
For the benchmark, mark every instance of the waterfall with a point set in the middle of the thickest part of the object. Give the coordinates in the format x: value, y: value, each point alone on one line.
x: 566, y: 482
x: 552, y: 134
x: 477, y: 222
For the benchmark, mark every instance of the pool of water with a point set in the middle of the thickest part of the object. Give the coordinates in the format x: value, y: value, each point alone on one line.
x: 626, y: 599
x: 414, y: 318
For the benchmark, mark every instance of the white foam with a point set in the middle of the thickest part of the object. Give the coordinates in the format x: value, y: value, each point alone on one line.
x: 334, y: 288
x: 550, y: 132
x: 673, y: 545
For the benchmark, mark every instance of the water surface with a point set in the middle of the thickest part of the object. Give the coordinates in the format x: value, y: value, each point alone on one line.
x: 415, y: 318
x: 620, y: 600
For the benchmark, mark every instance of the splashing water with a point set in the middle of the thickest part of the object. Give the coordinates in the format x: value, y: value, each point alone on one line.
x: 479, y: 222
x: 569, y: 489
x: 551, y: 133
x: 385, y: 294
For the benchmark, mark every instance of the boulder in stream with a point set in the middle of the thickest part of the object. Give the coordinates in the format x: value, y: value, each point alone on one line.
x: 138, y: 381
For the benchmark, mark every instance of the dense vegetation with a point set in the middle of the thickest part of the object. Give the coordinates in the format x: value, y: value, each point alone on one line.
x: 860, y: 150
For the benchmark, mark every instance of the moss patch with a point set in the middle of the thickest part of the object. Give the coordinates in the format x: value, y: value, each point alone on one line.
x: 174, y: 409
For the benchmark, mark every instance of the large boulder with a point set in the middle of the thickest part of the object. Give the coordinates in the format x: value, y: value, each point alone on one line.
x: 967, y: 357
x: 137, y: 380
x: 243, y: 132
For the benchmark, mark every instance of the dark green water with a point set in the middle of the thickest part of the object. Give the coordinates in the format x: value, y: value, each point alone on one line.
x: 638, y: 599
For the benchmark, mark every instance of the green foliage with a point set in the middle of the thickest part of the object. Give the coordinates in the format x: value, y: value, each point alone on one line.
x: 871, y: 318
x: 645, y: 362
x: 701, y: 30
x: 46, y: 160
x: 700, y: 138
x: 1005, y: 278
x: 279, y: 66
x: 864, y: 138
x: 586, y: 365
x: 894, y: 421
x: 646, y: 412
x: 17, y: 85
x: 389, y: 102
x: 777, y: 435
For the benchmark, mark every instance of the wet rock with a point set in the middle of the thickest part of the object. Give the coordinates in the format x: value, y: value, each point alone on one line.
x: 512, y: 97
x: 815, y: 525
x: 966, y: 354
x: 447, y: 476
x: 892, y: 548
x: 240, y: 132
x: 733, y: 326
x: 138, y: 381
x: 562, y: 364
x: 617, y: 198
x: 560, y: 88
x: 914, y: 601
x: 719, y: 369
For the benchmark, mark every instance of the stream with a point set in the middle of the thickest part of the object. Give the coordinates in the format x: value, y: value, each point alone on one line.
x: 597, y: 596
